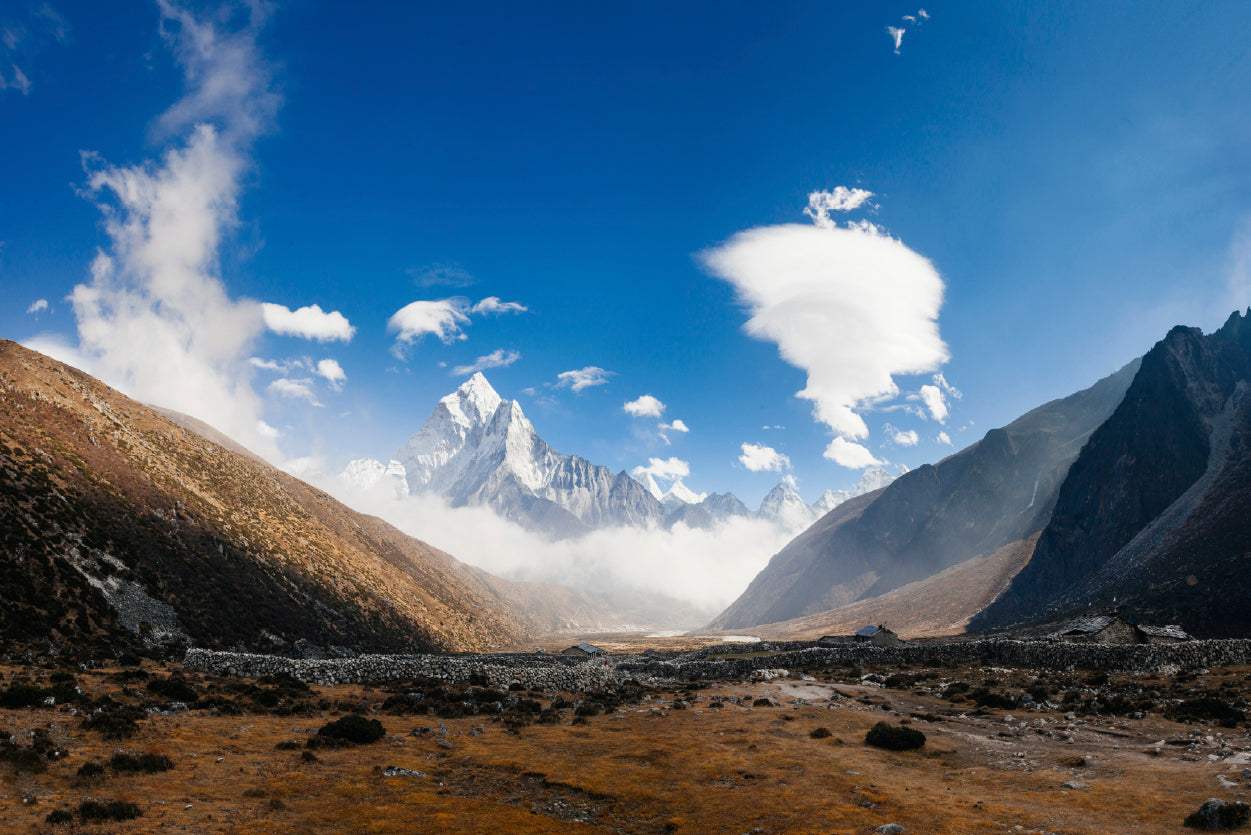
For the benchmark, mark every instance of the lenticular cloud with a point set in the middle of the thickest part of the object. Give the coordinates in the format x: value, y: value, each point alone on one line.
x: 851, y: 308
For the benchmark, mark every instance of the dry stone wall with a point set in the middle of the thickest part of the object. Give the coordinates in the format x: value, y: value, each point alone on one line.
x: 539, y: 671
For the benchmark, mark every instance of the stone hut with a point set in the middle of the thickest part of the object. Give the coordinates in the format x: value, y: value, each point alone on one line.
x: 1099, y: 629
x: 1168, y: 634
x: 585, y: 650
x: 878, y: 636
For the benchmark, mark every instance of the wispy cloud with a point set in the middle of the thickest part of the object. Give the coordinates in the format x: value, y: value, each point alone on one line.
x: 155, y: 318
x: 896, y: 35
x: 582, y: 378
x: 841, y: 199
x: 37, y: 306
x: 492, y: 304
x: 852, y: 310
x: 23, y: 37
x: 676, y: 426
x: 761, y: 458
x: 441, y: 275
x: 496, y: 359
x: 443, y: 318
x: 301, y: 389
x: 901, y: 437
x: 308, y: 323
x: 645, y: 406
x: 17, y: 80
x: 944, y: 438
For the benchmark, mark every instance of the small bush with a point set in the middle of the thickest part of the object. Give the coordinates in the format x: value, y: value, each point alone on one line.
x: 587, y: 709
x: 1207, y: 708
x: 288, y: 745
x: 353, y: 728
x: 762, y: 703
x: 309, y: 757
x: 57, y: 816
x: 91, y: 770
x: 820, y: 733
x: 23, y: 695
x: 108, y: 810
x: 175, y: 689
x: 118, y: 723
x: 147, y: 763
x: 984, y: 697
x: 894, y: 738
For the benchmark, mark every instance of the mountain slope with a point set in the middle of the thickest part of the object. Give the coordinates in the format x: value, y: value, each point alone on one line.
x: 116, y: 521
x: 998, y: 491
x: 1154, y: 515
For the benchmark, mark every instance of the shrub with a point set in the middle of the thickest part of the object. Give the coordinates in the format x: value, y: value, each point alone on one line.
x: 174, y: 688
x: 91, y: 770
x: 984, y: 697
x: 147, y: 763
x: 23, y: 695
x: 309, y: 757
x: 353, y: 728
x: 57, y: 816
x: 762, y: 703
x: 894, y: 738
x: 820, y: 733
x: 108, y: 810
x: 288, y: 745
x: 1205, y: 708
x: 118, y: 723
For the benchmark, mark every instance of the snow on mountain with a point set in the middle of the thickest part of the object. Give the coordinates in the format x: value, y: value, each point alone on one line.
x: 874, y: 478
x: 647, y: 481
x: 829, y: 500
x: 678, y: 495
x: 725, y: 506
x: 785, y: 508
x: 477, y: 448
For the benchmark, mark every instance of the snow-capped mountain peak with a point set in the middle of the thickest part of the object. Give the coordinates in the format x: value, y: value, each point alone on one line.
x: 474, y: 403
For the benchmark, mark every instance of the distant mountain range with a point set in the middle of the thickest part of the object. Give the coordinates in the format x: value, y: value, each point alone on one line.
x: 478, y: 449
x: 1133, y: 495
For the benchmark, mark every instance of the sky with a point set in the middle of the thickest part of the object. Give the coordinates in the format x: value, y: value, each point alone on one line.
x: 732, y: 243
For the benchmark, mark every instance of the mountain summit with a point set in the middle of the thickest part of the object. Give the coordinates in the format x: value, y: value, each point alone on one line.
x: 477, y: 448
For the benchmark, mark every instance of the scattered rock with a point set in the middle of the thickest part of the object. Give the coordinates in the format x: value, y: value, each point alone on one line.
x: 1219, y: 814
x: 1074, y: 784
x: 889, y: 829
x: 396, y: 771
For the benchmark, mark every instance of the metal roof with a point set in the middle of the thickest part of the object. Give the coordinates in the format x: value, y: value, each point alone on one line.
x: 868, y: 631
x: 1087, y: 626
x: 589, y: 649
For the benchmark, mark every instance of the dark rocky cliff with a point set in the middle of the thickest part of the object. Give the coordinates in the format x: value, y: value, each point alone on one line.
x: 1160, y: 488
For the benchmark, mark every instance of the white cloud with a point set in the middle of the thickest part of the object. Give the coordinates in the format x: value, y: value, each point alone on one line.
x: 944, y: 438
x: 492, y: 304
x: 841, y: 199
x: 37, y: 306
x: 441, y: 275
x: 850, y: 455
x: 267, y: 431
x: 896, y: 35
x: 496, y: 359
x: 707, y: 569
x: 308, y: 323
x: 18, y: 82
x: 922, y: 13
x: 935, y: 402
x: 645, y: 406
x: 155, y: 319
x: 301, y: 389
x: 901, y: 437
x: 581, y: 378
x: 676, y: 426
x: 761, y: 458
x: 852, y: 310
x: 442, y: 318
x: 330, y: 370
x: 669, y: 469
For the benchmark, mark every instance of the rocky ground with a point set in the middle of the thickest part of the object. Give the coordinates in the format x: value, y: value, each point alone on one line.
x: 146, y: 747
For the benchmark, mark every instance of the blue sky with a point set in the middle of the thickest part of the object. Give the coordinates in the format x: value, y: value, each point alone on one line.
x: 1051, y: 190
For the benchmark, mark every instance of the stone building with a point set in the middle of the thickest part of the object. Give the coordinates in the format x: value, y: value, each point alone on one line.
x: 585, y: 650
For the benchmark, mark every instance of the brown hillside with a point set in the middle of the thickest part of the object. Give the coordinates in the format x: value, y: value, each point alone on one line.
x: 936, y: 606
x: 102, y: 497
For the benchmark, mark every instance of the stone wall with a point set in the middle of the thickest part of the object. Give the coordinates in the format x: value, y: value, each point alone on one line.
x: 540, y: 671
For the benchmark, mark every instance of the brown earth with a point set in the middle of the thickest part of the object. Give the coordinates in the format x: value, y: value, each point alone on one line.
x: 707, y: 760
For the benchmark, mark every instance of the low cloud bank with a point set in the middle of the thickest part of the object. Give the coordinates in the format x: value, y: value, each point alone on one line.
x: 707, y: 569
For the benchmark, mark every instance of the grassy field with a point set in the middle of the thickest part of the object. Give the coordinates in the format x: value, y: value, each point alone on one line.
x: 245, y: 756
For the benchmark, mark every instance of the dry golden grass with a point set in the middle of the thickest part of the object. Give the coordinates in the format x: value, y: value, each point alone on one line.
x: 649, y: 767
